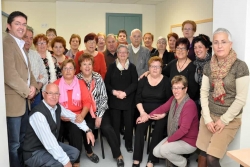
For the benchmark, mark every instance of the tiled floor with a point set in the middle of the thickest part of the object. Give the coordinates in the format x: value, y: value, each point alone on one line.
x: 110, y: 162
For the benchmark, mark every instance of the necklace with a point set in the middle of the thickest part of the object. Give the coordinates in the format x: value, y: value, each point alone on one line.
x: 180, y: 68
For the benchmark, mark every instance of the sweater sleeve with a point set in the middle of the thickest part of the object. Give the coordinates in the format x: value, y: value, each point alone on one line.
x: 164, y: 108
x: 133, y: 86
x: 192, y: 84
x: 138, y: 97
x: 240, y: 100
x: 102, y: 65
x: 107, y: 79
x: 78, y: 54
x: 189, y: 111
x: 204, y: 99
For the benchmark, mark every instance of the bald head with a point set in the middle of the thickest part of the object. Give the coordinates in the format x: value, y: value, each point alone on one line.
x: 51, y: 94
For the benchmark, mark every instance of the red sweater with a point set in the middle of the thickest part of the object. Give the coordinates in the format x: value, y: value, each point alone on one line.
x: 99, y: 63
x: 86, y: 99
x: 188, y: 122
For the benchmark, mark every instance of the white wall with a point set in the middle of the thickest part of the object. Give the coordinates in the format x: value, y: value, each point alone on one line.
x: 78, y: 17
x: 174, y: 12
x: 4, y: 160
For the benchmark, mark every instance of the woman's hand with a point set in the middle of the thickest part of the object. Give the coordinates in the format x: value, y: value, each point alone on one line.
x: 98, y: 122
x: 210, y: 127
x: 157, y: 116
x: 65, y: 119
x: 115, y: 93
x: 145, y: 74
x: 219, y: 126
x: 121, y: 95
x: 143, y: 118
x: 79, y: 118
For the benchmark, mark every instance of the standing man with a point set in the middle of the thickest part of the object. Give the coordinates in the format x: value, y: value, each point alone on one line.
x: 138, y: 55
x: 110, y: 52
x: 37, y: 65
x: 19, y: 84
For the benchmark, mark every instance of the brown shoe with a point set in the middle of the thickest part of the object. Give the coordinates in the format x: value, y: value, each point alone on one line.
x: 76, y: 165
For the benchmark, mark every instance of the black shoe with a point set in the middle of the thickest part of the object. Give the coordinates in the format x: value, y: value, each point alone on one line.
x: 129, y: 149
x: 136, y: 165
x: 120, y: 163
x: 94, y: 158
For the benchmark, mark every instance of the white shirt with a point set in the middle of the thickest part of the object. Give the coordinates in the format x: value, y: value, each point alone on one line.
x: 135, y: 49
x: 41, y: 127
x: 20, y: 44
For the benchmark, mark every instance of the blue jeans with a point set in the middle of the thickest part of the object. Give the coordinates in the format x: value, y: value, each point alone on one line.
x: 37, y: 100
x: 16, y: 127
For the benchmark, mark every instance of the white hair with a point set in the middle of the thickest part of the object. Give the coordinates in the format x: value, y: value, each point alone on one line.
x: 219, y: 30
x: 134, y: 30
x: 162, y: 38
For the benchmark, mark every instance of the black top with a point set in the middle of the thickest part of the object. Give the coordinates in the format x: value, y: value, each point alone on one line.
x: 153, y: 51
x: 189, y: 72
x: 125, y: 80
x: 31, y: 141
x: 153, y: 95
x: 191, y: 54
x: 109, y: 57
x: 167, y: 56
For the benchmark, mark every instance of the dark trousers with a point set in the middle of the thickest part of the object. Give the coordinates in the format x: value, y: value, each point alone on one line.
x: 16, y: 127
x: 107, y: 131
x: 128, y: 123
x: 157, y: 136
x: 44, y: 159
x: 73, y: 134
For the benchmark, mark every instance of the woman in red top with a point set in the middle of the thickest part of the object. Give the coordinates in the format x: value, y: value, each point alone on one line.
x: 58, y: 45
x: 90, y: 41
x: 75, y: 97
x: 182, y: 124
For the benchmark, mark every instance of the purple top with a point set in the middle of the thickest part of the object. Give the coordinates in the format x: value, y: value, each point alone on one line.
x: 188, y: 125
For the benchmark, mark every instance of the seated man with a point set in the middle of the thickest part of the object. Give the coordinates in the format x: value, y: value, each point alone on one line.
x: 41, y: 147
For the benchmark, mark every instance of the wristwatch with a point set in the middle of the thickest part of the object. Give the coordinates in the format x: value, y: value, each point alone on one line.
x: 89, y: 130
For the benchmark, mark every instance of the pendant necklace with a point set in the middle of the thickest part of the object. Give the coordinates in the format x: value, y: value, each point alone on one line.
x: 180, y: 68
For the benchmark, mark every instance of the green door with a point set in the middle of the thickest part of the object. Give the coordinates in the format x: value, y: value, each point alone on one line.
x: 128, y: 22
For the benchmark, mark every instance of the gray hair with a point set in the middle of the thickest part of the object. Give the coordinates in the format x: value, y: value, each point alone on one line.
x: 30, y: 29
x: 134, y: 30
x: 122, y: 46
x: 162, y: 39
x: 110, y: 35
x: 219, y: 30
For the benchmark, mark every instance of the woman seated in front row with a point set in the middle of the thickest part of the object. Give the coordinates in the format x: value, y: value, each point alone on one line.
x: 182, y: 124
x: 152, y: 92
x: 100, y: 118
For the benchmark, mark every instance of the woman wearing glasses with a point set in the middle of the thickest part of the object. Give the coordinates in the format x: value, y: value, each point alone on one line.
x: 41, y: 43
x: 152, y: 91
x: 224, y: 91
x: 162, y: 51
x: 188, y: 30
x: 90, y: 41
x: 101, y: 42
x: 183, y: 66
x: 182, y: 124
x: 75, y: 97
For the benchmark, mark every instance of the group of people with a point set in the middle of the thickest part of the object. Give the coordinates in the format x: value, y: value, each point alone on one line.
x: 193, y: 99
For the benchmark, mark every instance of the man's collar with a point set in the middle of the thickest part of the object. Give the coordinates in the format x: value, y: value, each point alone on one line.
x: 109, y: 53
x: 19, y: 42
x: 48, y: 106
x: 135, y: 47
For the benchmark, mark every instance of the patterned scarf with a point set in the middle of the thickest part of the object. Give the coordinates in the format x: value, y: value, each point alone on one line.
x: 76, y: 95
x: 199, y: 63
x: 52, y: 70
x: 218, y: 72
x: 173, y: 117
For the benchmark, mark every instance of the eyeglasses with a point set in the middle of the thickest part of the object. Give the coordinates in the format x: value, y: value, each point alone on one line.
x: 187, y: 29
x: 52, y: 94
x: 91, y: 42
x: 68, y: 69
x: 223, y: 43
x: 41, y: 43
x: 155, y: 67
x: 161, y: 43
x: 181, y: 49
x: 100, y: 39
x: 123, y: 52
x: 178, y: 88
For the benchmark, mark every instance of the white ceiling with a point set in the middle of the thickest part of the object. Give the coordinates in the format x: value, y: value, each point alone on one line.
x: 146, y: 2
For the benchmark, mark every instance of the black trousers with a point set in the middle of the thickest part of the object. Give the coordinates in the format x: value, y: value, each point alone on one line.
x: 157, y: 136
x: 108, y: 132
x: 73, y: 134
x: 128, y: 123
